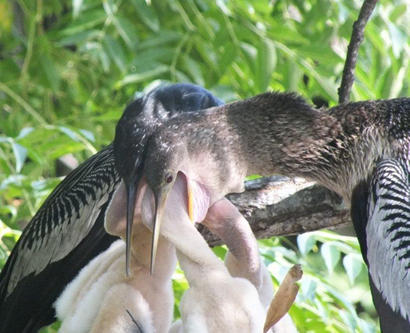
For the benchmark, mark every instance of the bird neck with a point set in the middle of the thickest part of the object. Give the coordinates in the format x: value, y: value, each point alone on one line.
x: 141, y: 250
x: 224, y: 220
x: 281, y: 134
x: 195, y: 257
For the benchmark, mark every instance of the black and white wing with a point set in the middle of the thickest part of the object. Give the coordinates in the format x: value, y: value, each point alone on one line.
x: 388, y: 234
x: 62, y: 237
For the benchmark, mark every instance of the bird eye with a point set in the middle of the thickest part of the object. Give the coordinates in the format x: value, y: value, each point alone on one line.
x: 169, y: 178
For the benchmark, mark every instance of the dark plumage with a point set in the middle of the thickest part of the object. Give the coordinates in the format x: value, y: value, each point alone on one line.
x: 64, y: 235
x: 68, y: 230
x: 134, y: 129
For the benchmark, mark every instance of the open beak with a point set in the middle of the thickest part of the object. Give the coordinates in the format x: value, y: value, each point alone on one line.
x: 160, y: 200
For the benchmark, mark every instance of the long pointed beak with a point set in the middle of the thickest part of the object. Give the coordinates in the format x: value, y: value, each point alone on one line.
x: 131, y: 195
x: 160, y: 201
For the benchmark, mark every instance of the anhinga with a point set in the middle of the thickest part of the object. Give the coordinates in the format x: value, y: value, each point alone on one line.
x: 68, y: 230
x: 345, y: 148
x: 64, y: 235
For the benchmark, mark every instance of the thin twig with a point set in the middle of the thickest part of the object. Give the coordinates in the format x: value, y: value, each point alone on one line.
x: 353, y: 50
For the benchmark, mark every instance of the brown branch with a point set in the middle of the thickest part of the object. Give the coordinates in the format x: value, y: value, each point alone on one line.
x: 281, y: 206
x: 353, y: 50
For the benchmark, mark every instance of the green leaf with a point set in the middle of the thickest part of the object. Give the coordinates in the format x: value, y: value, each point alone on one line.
x: 115, y: 51
x: 164, y: 37
x: 194, y: 70
x: 70, y: 133
x: 398, y: 11
x: 330, y: 255
x: 80, y: 37
x: 353, y: 265
x: 220, y: 251
x: 146, y: 14
x: 20, y: 154
x: 266, y: 64
x: 349, y: 320
x: 50, y: 71
x: 306, y: 242
x: 134, y: 78
x: 308, y: 288
x: 85, y: 21
x: 88, y: 135
x: 399, y: 39
x: 126, y: 30
x: 77, y: 4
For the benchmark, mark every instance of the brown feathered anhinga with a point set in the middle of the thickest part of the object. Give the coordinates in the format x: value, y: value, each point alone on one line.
x: 359, y: 150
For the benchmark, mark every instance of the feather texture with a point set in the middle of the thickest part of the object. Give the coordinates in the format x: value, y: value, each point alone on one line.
x: 388, y: 233
x: 50, y: 235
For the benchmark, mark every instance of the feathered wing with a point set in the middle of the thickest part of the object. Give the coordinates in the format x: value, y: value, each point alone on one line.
x: 68, y: 230
x: 388, y: 233
x: 61, y: 232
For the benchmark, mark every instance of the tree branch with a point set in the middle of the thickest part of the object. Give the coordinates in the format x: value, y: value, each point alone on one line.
x: 353, y: 50
x: 281, y: 206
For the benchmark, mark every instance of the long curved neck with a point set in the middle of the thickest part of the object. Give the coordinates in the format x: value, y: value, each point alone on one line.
x: 225, y: 221
x: 280, y: 133
x: 194, y: 255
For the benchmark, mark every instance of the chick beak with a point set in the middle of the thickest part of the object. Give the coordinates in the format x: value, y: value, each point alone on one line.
x: 190, y: 202
x: 160, y: 199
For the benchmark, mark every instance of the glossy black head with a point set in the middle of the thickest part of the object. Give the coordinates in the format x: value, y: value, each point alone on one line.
x: 145, y: 114
x: 139, y: 120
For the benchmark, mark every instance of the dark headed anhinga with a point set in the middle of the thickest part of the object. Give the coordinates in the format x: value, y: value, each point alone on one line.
x: 68, y: 229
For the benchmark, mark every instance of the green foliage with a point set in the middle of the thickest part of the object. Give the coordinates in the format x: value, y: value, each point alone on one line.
x: 68, y: 68
x: 327, y: 301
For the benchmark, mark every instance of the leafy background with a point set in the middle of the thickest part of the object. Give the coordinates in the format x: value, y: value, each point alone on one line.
x: 69, y: 67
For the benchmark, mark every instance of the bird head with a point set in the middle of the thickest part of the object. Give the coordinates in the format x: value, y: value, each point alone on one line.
x: 131, y: 134
x: 139, y: 120
x: 165, y: 160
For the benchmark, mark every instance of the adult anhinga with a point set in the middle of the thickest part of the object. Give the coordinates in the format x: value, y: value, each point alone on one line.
x: 341, y: 148
x: 67, y: 231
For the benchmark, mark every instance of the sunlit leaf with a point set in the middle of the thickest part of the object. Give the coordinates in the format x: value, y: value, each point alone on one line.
x: 306, y: 242
x: 77, y: 4
x: 331, y: 255
x: 20, y: 154
x: 353, y: 265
